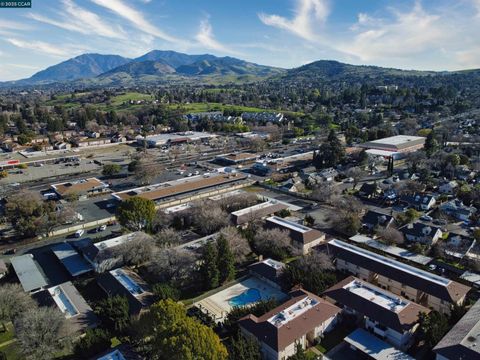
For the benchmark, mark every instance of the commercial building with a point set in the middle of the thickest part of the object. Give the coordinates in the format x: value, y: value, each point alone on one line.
x: 29, y: 273
x: 300, y: 320
x: 255, y: 212
x: 175, y: 138
x: 83, y: 188
x: 235, y: 158
x: 162, y: 191
x: 414, y: 284
x: 461, y: 342
x: 303, y: 237
x: 388, y: 316
x: 71, y: 304
x: 102, y: 255
x: 394, y: 146
x: 125, y: 282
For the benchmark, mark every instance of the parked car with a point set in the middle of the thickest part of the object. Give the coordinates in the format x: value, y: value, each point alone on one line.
x: 79, y: 233
x: 439, y: 222
x: 426, y: 218
x: 102, y: 228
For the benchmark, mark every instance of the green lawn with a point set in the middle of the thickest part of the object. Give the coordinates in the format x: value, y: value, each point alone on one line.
x: 120, y: 99
x: 12, y: 351
x: 6, y: 335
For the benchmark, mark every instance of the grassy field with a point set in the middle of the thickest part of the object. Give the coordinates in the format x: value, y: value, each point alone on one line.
x: 134, y: 96
x: 203, y: 107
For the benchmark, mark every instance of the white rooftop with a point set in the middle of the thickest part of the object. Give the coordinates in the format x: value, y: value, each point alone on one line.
x: 289, y: 224
x: 255, y: 208
x: 374, y: 347
x: 378, y: 152
x: 274, y: 264
x: 64, y: 303
x: 397, y: 140
x: 110, y: 243
x: 177, y: 208
x: 375, y: 295
x: 226, y: 195
x: 393, y: 250
x: 292, y: 312
x: 392, y: 263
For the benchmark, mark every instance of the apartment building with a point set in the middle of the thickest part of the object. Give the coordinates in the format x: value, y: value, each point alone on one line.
x: 388, y: 316
x: 413, y: 284
x: 300, y: 320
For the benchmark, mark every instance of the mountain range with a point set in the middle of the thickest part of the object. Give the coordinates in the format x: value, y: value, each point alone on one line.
x: 159, y: 66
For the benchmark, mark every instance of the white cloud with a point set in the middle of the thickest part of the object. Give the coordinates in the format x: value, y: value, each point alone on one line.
x: 40, y: 46
x: 206, y: 39
x: 75, y: 18
x: 407, y: 34
x: 307, y: 14
x: 136, y: 18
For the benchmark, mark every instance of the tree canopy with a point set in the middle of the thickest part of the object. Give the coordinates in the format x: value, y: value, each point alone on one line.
x: 136, y: 213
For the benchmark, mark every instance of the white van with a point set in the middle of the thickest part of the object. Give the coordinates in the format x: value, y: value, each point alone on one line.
x: 79, y: 233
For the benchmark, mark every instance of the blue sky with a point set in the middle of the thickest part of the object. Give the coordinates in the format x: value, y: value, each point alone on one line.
x: 408, y: 34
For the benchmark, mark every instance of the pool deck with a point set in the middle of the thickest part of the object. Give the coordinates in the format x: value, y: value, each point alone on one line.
x: 217, y: 305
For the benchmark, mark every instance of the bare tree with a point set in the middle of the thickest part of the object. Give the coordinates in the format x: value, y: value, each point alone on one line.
x: 392, y: 236
x: 408, y: 187
x: 39, y: 332
x: 173, y: 265
x: 162, y: 220
x: 237, y: 243
x: 356, y: 174
x: 326, y: 193
x: 208, y: 217
x: 13, y: 302
x: 346, y: 217
x: 137, y: 251
x: 237, y: 202
x: 168, y: 237
x: 272, y: 242
x: 316, y: 261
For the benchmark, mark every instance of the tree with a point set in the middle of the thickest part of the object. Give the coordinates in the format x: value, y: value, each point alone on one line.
x: 138, y: 251
x: 314, y: 272
x: 164, y: 291
x: 209, y: 268
x: 168, y: 237
x: 392, y: 236
x: 114, y: 313
x: 225, y: 260
x: 237, y: 243
x: 173, y: 335
x: 433, y: 327
x: 92, y: 343
x: 144, y: 172
x: 431, y: 144
x: 326, y: 193
x: 242, y: 348
x: 274, y: 243
x: 237, y: 312
x: 330, y: 154
x: 39, y: 331
x: 136, y: 213
x: 174, y: 266
x: 309, y: 220
x: 13, y: 302
x: 208, y: 217
x: 356, y: 174
x: 111, y: 169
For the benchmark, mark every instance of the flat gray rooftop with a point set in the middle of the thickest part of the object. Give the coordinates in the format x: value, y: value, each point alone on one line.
x: 71, y: 259
x: 28, y: 272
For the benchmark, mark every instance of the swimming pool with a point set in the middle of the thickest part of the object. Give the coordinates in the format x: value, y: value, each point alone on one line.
x: 247, y: 297
x: 127, y: 282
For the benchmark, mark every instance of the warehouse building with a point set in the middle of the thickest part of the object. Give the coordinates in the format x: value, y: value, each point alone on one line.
x: 394, y: 146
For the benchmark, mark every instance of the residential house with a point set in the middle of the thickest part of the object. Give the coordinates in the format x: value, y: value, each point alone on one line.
x: 456, y: 209
x: 387, y: 315
x: 422, y: 233
x: 457, y: 245
x: 125, y: 282
x: 461, y: 342
x: 269, y: 271
x: 412, y: 283
x: 300, y: 320
x: 303, y: 237
x: 448, y: 187
x: 373, y: 219
x: 328, y: 174
x: 419, y: 201
x: 66, y: 298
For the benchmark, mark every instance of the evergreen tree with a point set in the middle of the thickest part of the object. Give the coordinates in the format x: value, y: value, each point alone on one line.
x: 300, y: 353
x: 225, y: 260
x: 209, y: 270
x: 331, y: 153
x: 431, y: 143
x: 241, y: 348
